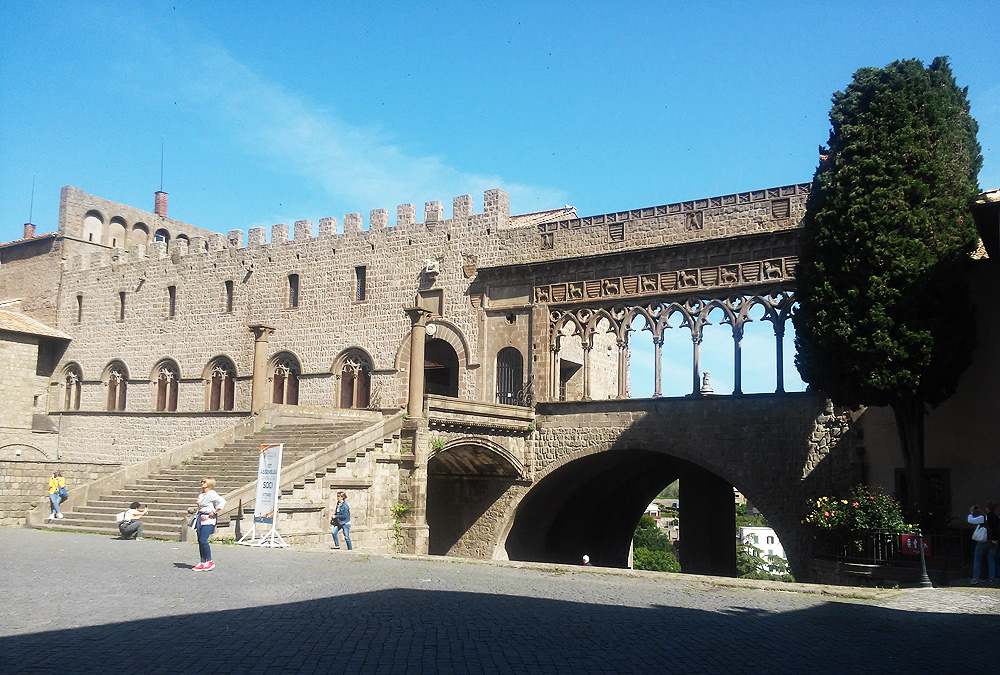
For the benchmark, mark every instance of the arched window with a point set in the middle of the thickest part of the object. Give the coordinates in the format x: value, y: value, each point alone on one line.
x: 221, y: 385
x: 73, y: 386
x: 116, y: 380
x: 162, y: 235
x: 285, y: 380
x: 93, y: 227
x: 355, y: 380
x: 510, y: 377
x: 167, y: 376
x: 116, y: 233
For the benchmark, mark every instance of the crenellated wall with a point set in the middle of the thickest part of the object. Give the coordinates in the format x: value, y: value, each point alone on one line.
x: 303, y: 281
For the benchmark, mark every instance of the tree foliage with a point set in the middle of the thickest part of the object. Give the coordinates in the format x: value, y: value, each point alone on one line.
x: 884, y: 314
x: 653, y: 549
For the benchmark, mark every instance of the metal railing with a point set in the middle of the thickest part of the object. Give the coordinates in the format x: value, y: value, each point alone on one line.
x: 946, y: 548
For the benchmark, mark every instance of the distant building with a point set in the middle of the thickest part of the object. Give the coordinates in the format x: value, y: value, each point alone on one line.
x: 763, y: 538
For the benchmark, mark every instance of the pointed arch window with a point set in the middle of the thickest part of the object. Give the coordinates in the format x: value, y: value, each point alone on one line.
x: 355, y: 380
x: 222, y: 385
x: 117, y: 383
x: 73, y: 387
x: 285, y: 380
x: 167, y: 377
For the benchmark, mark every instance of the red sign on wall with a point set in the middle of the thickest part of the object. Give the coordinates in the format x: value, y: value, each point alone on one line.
x: 911, y: 544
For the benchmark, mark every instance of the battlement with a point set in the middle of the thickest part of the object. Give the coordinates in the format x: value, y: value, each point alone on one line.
x: 495, y: 216
x: 738, y: 213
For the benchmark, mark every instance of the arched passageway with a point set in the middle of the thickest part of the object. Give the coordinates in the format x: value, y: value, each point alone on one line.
x: 463, y: 481
x: 440, y: 368
x: 591, y: 506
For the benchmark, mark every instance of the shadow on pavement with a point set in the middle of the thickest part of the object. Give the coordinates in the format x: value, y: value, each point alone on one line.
x: 405, y: 630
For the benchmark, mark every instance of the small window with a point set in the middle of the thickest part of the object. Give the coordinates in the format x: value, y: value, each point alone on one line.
x: 770, y: 540
x: 293, y: 290
x: 171, y: 301
x: 360, y: 277
x: 79, y: 308
x: 121, y: 306
x: 229, y: 296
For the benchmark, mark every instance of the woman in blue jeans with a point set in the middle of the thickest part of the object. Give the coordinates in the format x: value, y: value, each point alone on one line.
x: 342, y: 521
x: 210, y: 503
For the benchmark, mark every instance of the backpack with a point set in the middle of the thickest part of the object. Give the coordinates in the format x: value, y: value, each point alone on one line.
x: 121, y: 517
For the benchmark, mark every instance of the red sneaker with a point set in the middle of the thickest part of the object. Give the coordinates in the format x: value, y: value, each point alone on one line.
x: 209, y: 566
x: 200, y: 567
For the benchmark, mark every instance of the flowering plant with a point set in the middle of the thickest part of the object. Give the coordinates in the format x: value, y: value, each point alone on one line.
x: 865, y: 509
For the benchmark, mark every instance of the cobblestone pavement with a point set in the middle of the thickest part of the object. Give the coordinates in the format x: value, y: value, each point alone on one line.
x: 92, y: 604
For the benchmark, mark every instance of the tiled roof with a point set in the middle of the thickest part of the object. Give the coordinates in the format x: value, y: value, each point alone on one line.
x: 14, y: 322
x: 550, y: 216
x: 46, y: 235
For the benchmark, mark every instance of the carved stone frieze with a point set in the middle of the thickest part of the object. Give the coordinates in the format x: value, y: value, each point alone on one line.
x: 685, y: 280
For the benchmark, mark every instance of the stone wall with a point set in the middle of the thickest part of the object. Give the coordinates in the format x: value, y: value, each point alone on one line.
x: 23, y: 483
x: 127, y: 438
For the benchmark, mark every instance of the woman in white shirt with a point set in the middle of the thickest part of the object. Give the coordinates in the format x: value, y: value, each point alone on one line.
x: 210, y: 503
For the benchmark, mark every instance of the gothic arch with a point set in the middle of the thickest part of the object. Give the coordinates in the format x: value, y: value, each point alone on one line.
x: 115, y: 378
x: 72, y: 383
x: 352, y: 372
x: 283, y: 372
x: 219, y: 376
x: 164, y: 381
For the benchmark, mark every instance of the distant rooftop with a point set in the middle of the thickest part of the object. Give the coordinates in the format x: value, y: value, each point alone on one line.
x: 15, y: 322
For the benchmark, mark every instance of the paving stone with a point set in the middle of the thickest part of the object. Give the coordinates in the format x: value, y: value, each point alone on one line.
x: 104, y: 605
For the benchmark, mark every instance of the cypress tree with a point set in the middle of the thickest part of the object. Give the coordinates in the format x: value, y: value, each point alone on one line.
x: 885, y: 317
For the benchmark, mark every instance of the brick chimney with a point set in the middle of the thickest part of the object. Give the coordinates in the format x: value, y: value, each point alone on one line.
x: 160, y: 205
x: 29, y: 230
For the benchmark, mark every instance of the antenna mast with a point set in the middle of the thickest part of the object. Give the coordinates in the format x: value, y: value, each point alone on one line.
x: 31, y: 208
x: 161, y: 163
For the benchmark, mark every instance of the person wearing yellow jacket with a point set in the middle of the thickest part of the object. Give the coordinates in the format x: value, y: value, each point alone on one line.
x: 57, y: 488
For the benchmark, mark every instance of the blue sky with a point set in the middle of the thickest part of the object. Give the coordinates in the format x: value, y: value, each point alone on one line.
x: 274, y: 112
x: 271, y: 112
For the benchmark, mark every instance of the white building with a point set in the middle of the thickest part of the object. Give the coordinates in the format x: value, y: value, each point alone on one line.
x: 763, y: 538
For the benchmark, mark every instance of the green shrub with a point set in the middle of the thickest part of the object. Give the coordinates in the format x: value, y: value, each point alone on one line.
x: 656, y: 561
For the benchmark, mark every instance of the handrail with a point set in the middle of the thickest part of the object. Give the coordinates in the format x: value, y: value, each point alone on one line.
x: 321, y: 459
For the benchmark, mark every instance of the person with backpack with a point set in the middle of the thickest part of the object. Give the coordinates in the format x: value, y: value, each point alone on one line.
x: 130, y: 521
x: 986, y: 539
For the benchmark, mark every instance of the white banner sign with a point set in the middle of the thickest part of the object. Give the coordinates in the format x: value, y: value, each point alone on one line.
x: 268, y: 475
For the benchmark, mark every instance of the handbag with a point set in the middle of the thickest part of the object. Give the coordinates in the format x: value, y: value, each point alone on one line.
x: 194, y: 521
x: 63, y: 495
x: 980, y: 534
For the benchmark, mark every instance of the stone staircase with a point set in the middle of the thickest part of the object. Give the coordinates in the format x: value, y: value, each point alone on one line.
x: 171, y: 491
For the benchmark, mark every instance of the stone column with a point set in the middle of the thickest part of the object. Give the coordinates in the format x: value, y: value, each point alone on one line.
x: 779, y: 347
x: 696, y: 366
x: 657, y: 366
x: 418, y: 334
x: 738, y: 359
x: 586, y: 370
x: 258, y: 398
x: 623, y: 388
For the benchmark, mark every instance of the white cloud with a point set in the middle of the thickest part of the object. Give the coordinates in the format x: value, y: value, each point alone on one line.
x: 356, y: 165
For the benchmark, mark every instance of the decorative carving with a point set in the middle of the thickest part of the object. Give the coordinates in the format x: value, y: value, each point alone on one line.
x: 757, y: 272
x: 548, y: 241
x: 469, y: 262
x: 694, y: 220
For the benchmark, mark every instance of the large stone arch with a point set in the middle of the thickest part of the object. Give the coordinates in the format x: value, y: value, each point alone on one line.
x: 466, y: 477
x: 780, y: 451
